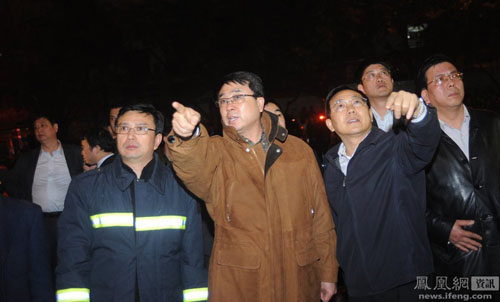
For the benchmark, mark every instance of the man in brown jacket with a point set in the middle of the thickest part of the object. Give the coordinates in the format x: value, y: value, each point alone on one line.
x: 274, y: 234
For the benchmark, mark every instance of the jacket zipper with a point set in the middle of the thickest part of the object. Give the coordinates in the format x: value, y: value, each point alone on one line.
x: 132, y: 199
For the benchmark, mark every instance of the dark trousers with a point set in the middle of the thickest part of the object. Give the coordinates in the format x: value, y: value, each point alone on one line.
x: 402, y: 293
x: 50, y: 222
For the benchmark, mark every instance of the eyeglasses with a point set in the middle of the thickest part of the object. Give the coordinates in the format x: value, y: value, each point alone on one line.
x: 373, y: 75
x: 235, y: 99
x: 140, y: 130
x: 441, y: 78
x: 356, y: 102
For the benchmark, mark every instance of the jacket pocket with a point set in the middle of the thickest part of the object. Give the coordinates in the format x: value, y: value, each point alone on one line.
x: 238, y: 256
x: 307, y: 256
x: 236, y: 272
x: 306, y: 274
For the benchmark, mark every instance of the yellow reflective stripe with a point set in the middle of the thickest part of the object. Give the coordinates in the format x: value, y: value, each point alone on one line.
x: 112, y: 220
x: 195, y: 294
x: 151, y: 223
x: 160, y: 223
x: 73, y: 295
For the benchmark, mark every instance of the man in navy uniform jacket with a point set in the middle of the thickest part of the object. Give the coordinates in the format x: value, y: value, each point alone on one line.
x: 375, y: 183
x: 25, y: 271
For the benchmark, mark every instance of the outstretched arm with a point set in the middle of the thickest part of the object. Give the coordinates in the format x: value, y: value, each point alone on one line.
x: 193, y: 155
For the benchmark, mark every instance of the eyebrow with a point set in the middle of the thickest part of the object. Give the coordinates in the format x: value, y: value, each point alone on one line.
x: 354, y: 96
x: 138, y: 124
x: 234, y: 90
x: 372, y: 70
x: 448, y: 72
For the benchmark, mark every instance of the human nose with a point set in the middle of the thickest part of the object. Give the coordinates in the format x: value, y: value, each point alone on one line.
x: 349, y: 107
x: 230, y: 104
x: 449, y: 81
x: 131, y: 133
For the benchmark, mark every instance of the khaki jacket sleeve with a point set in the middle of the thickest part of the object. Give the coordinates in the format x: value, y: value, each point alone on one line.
x: 194, y: 162
x: 324, y: 234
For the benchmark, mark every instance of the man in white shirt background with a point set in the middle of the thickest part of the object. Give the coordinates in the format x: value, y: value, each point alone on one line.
x: 42, y: 175
x: 375, y: 81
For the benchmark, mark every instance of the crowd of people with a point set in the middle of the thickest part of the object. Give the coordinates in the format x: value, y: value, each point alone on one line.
x: 411, y: 193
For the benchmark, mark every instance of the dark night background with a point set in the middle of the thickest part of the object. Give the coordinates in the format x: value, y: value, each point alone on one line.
x: 74, y: 58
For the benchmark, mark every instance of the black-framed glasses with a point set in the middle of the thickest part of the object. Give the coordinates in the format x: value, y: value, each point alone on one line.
x: 235, y: 99
x: 441, y: 78
x: 140, y: 130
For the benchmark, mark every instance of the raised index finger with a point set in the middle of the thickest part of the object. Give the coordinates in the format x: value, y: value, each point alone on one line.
x: 178, y: 107
x: 390, y: 101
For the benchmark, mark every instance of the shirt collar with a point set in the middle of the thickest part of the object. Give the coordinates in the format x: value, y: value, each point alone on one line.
x: 342, y: 150
x: 99, y: 163
x: 263, y: 140
x: 388, y: 113
x: 57, y: 151
x: 465, y: 122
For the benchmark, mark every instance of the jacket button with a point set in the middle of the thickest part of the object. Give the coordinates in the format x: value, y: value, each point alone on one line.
x: 474, y: 157
x: 479, y: 186
x: 486, y: 217
x: 247, y: 150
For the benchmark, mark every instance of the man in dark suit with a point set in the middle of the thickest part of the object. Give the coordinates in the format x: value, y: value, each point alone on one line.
x: 97, y: 147
x: 43, y: 174
x: 463, y: 180
x: 25, y: 274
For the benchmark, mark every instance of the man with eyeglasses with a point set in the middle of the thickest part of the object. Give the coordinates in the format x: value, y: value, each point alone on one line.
x: 463, y: 181
x: 274, y: 234
x: 129, y: 231
x: 375, y: 81
x: 375, y: 182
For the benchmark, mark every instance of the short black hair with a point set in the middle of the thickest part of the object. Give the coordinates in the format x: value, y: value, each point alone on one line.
x: 253, y: 81
x: 148, y: 109
x: 50, y: 117
x: 271, y: 102
x: 338, y: 89
x: 367, y: 62
x: 100, y: 137
x: 421, y: 80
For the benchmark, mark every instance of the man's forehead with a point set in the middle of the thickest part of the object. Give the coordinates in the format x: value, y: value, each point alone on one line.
x: 344, y: 94
x: 233, y: 87
x: 41, y: 120
x: 375, y: 67
x: 136, y: 117
x: 441, y: 68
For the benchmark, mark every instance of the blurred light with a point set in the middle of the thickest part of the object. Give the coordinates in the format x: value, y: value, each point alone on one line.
x: 322, y: 117
x: 293, y: 120
x: 302, y: 127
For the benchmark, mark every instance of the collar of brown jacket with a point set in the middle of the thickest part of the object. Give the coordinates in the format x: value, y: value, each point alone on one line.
x: 271, y: 127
